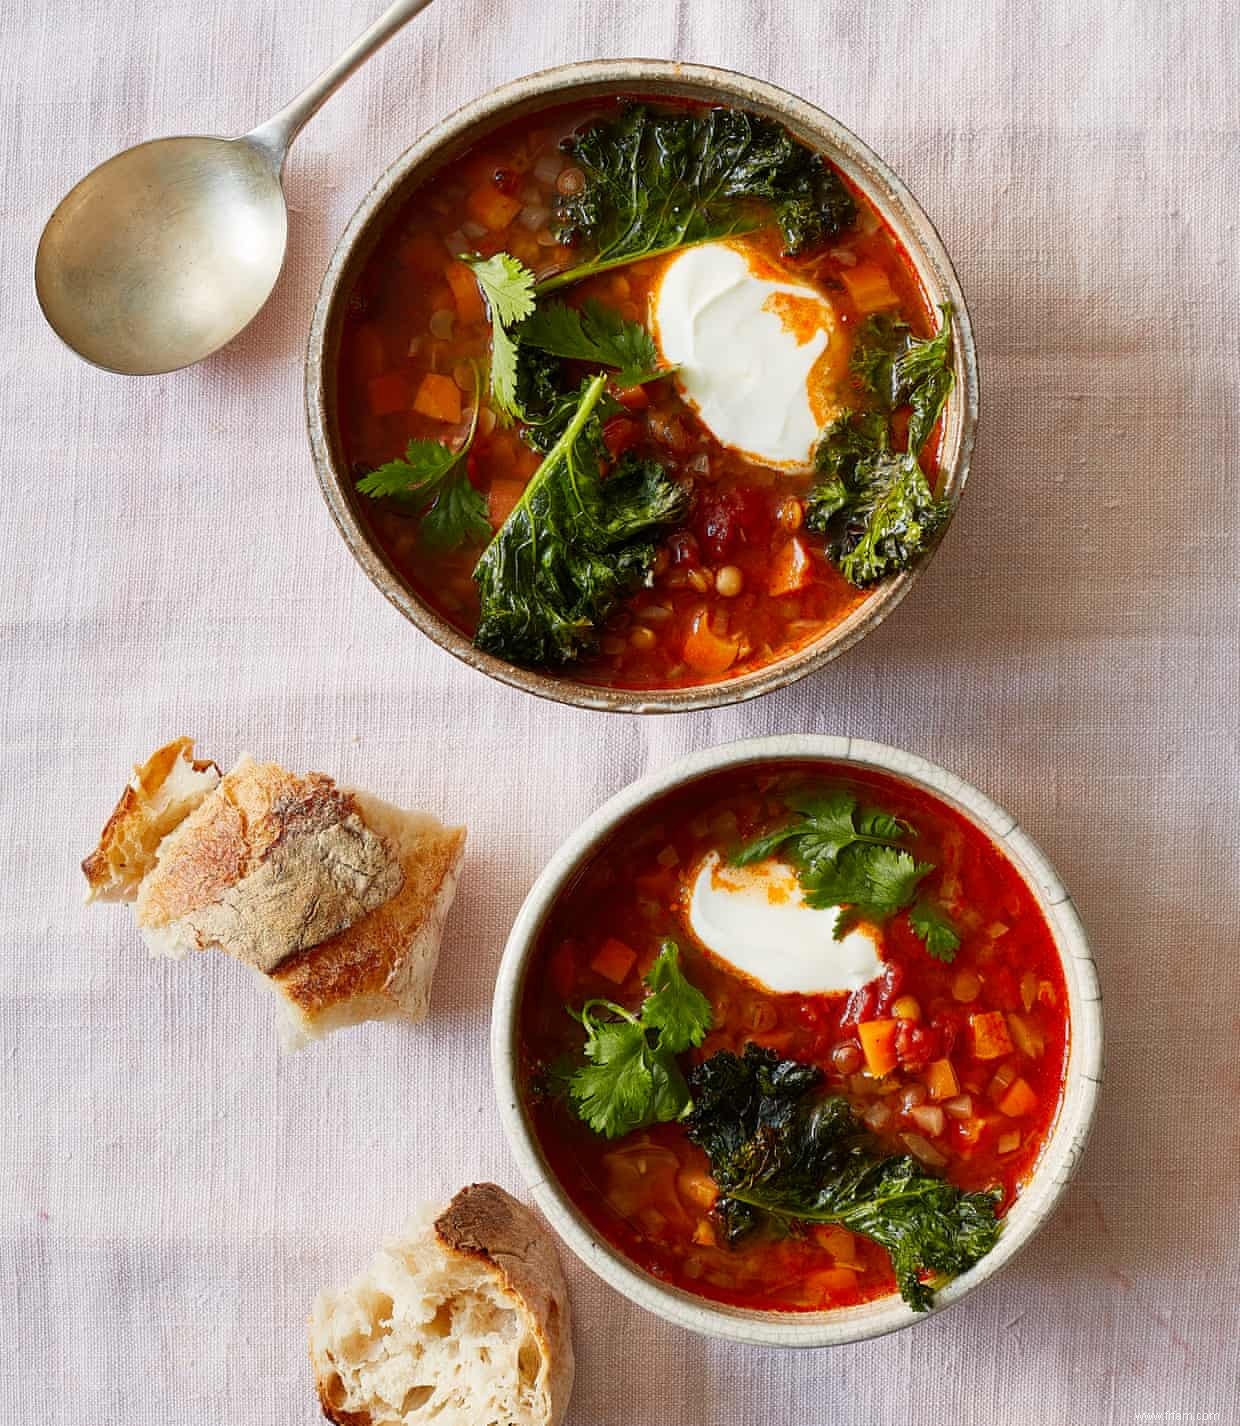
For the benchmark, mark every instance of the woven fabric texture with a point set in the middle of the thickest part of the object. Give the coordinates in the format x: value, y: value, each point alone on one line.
x: 175, y: 1190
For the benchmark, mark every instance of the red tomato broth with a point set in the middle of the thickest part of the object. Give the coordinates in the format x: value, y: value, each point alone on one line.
x: 412, y: 316
x: 648, y: 1193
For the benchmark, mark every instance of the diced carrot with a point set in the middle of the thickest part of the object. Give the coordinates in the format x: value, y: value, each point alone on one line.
x: 633, y: 398
x: 501, y: 500
x: 990, y: 1035
x: 369, y: 357
x: 791, y: 569
x: 493, y: 209
x: 706, y: 652
x: 868, y: 287
x: 464, y: 287
x: 1019, y: 1100
x: 878, y: 1043
x: 388, y: 393
x: 439, y: 397
x: 941, y: 1080
x: 614, y: 960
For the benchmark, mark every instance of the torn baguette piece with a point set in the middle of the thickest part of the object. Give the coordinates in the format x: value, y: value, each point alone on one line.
x: 162, y: 792
x: 461, y: 1321
x: 336, y: 899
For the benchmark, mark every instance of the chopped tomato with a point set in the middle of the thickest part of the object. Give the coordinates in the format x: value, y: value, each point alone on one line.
x: 502, y: 499
x: 620, y: 435
x: 464, y: 285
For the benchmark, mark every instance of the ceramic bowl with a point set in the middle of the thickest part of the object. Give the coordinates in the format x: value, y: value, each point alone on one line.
x: 582, y: 82
x: 1054, y: 1168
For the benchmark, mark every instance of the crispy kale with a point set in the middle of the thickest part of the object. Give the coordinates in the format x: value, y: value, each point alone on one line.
x: 574, y: 545
x: 782, y: 1152
x: 657, y: 180
x: 874, y: 503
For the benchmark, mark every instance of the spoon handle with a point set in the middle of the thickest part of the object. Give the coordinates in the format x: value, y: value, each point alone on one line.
x: 277, y: 134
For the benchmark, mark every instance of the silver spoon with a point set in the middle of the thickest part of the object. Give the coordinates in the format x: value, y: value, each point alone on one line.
x: 164, y: 253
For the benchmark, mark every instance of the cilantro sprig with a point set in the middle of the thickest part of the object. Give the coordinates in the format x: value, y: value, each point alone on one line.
x: 631, y: 1078
x: 431, y: 478
x: 508, y: 286
x: 854, y: 858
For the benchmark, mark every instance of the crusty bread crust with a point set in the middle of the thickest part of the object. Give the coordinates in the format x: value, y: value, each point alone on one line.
x: 428, y: 1334
x: 382, y: 966
x: 336, y: 898
x: 484, y: 1222
x: 163, y: 791
x: 269, y: 865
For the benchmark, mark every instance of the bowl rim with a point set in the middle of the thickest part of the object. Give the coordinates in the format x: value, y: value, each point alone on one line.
x: 1060, y: 1155
x: 567, y: 83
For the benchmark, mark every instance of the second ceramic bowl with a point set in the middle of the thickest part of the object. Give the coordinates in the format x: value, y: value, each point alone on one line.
x: 1060, y: 1152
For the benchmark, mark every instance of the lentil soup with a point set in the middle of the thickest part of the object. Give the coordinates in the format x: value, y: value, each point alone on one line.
x: 958, y: 1063
x: 738, y: 581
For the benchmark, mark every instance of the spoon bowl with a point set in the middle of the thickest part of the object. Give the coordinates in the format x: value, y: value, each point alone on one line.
x: 162, y: 254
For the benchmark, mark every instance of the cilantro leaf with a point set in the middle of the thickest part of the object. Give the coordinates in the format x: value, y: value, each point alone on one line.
x: 631, y: 1078
x: 596, y: 334
x: 418, y: 472
x: 844, y: 857
x: 677, y: 1009
x: 616, y: 1087
x: 432, y: 481
x: 936, y: 930
x: 508, y: 287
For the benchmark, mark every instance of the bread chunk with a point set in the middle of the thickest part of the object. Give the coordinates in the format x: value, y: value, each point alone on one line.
x: 163, y: 791
x: 462, y: 1321
x: 336, y: 899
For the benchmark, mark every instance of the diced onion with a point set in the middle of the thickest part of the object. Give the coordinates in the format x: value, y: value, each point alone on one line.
x: 441, y: 323
x: 911, y: 1096
x: 533, y: 217
x: 959, y: 1107
x: 928, y: 1117
x: 456, y: 242
x: 472, y: 229
x: 878, y: 1115
x: 923, y: 1149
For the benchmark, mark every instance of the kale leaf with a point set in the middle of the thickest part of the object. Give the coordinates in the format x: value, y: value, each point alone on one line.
x: 631, y: 1078
x: 874, y: 503
x: 782, y: 1152
x: 574, y: 545
x: 657, y: 180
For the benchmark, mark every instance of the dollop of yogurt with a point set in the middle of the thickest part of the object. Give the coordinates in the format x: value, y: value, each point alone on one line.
x: 755, y: 918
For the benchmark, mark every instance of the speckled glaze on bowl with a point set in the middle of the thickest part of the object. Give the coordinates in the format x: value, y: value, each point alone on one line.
x: 1060, y: 1155
x: 583, y: 82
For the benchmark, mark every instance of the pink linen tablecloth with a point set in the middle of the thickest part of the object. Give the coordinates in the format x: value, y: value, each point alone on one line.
x: 174, y: 1189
